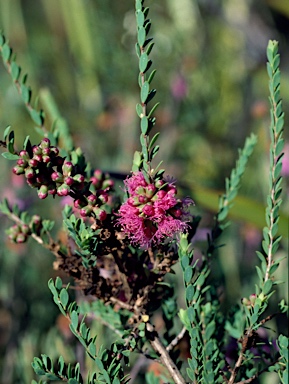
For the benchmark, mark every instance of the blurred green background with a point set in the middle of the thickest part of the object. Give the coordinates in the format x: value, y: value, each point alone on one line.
x: 213, y: 88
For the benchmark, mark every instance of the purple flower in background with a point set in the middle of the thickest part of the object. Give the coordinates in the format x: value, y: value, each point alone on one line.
x: 152, y: 212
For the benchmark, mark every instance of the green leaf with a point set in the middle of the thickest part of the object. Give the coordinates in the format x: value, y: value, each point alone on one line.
x: 64, y: 297
x: 144, y: 91
x: 188, y: 274
x: 10, y: 156
x: 25, y: 93
x: 140, y: 18
x: 6, y: 132
x: 267, y: 287
x: 37, y: 117
x: 141, y: 36
x: 190, y: 292
x: 73, y: 381
x: 6, y: 52
x: 74, y: 319
x: 143, y: 62
x: 151, y: 76
x: 139, y: 110
x: 15, y: 71
x: 144, y: 125
x: 153, y: 109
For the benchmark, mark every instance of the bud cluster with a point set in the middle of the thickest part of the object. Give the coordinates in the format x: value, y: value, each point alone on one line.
x: 249, y: 302
x: 19, y: 233
x: 52, y: 175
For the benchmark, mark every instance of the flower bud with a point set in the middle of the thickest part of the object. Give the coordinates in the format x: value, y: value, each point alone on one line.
x: 68, y: 180
x: 46, y: 159
x: 22, y: 163
x: 38, y: 158
x: 79, y: 203
x: 150, y: 190
x: 159, y: 183
x: 79, y: 178
x: 43, y: 192
x: 142, y: 199
x: 29, y: 173
x: 24, y: 155
x: 140, y: 190
x: 20, y: 238
x: 36, y: 150
x: 33, y: 163
x: 25, y: 229
x: 92, y: 200
x: 17, y: 170
x: 67, y: 168
x: 57, y: 176
x: 172, y: 190
x: 100, y: 214
x: 161, y: 194
x: 52, y: 189
x: 107, y: 184
x: 103, y: 197
x: 63, y: 190
x: 86, y: 211
x: 45, y: 143
x: 54, y: 151
x: 148, y: 210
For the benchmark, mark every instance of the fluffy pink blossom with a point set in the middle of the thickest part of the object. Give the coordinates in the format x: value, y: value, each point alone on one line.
x: 152, y: 212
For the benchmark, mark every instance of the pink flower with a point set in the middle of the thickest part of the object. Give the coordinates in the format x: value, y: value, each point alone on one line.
x: 152, y: 212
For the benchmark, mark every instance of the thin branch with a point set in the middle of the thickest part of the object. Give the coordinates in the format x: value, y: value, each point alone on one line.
x: 165, y: 358
x: 176, y: 340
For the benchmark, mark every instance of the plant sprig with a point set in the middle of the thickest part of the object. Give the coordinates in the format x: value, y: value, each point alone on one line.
x: 24, y: 91
x: 144, y: 45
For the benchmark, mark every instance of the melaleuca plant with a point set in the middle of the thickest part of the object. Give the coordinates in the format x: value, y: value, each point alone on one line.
x: 121, y: 251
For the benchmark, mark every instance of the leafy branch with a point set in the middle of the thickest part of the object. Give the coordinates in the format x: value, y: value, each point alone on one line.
x: 144, y: 46
x: 232, y: 185
x: 24, y: 91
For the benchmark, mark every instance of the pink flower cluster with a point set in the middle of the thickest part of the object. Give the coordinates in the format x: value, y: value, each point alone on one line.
x: 152, y: 212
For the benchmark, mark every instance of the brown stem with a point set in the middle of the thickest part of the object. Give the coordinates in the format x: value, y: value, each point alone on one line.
x: 165, y: 358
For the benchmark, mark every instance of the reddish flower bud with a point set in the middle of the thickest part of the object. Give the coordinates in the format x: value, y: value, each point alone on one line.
x: 17, y: 170
x: 68, y: 180
x: 63, y: 190
x: 33, y: 163
x: 92, y: 199
x: 142, y: 199
x: 57, y: 176
x: 54, y: 151
x: 52, y: 189
x: 20, y: 238
x: 103, y: 197
x: 172, y: 190
x: 43, y: 192
x: 38, y: 158
x: 36, y: 150
x: 24, y: 154
x: 45, y: 143
x: 67, y: 168
x: 29, y: 173
x: 150, y: 190
x: 161, y: 194
x: 107, y: 184
x: 79, y: 178
x: 148, y: 210
x: 46, y: 159
x: 79, y: 203
x: 100, y: 214
x: 159, y: 183
x: 25, y: 229
x: 22, y: 163
x: 86, y: 211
